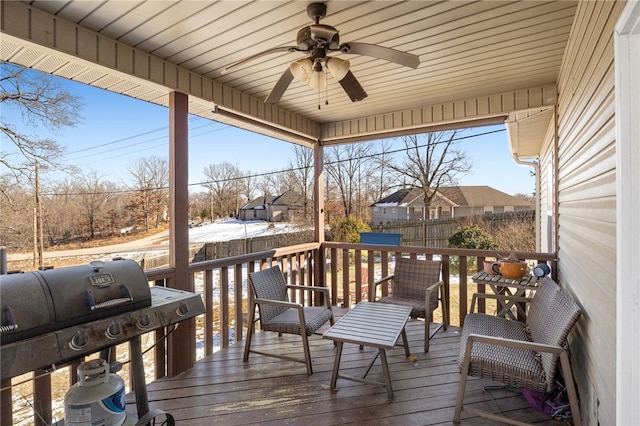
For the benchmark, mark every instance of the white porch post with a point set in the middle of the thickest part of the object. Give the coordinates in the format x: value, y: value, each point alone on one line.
x: 627, y: 103
x: 184, y: 336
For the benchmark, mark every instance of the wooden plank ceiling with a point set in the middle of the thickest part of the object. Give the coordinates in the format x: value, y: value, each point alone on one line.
x: 479, y: 61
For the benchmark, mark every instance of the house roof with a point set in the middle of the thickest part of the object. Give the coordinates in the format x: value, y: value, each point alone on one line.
x: 411, y: 195
x: 480, y: 62
x: 457, y: 196
x: 258, y: 203
x: 288, y: 198
x: 477, y: 196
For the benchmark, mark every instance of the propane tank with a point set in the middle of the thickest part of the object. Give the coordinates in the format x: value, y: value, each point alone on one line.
x: 98, y: 397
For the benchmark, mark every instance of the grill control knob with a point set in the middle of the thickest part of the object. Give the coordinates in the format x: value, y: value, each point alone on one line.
x: 143, y: 322
x: 79, y: 340
x: 182, y: 310
x: 114, y: 330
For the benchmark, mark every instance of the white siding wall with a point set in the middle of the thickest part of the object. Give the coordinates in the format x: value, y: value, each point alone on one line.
x: 587, y: 202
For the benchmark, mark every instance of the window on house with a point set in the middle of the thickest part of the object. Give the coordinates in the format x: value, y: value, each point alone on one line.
x: 488, y: 209
x: 384, y: 210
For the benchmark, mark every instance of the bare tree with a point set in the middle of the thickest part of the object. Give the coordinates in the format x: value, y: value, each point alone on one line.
x: 94, y: 197
x: 16, y: 220
x: 345, y: 165
x: 223, y: 187
x: 301, y: 174
x: 247, y: 186
x: 432, y: 162
x: 383, y: 176
x: 151, y: 180
x: 43, y: 104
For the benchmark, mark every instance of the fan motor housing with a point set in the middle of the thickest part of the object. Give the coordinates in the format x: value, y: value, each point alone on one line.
x: 318, y: 35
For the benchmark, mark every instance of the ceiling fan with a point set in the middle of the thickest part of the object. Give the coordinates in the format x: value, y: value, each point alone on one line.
x: 317, y: 40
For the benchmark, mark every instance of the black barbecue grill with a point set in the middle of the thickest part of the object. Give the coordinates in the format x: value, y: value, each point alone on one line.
x: 55, y: 316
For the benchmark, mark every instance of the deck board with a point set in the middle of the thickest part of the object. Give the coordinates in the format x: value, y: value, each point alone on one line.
x: 222, y: 389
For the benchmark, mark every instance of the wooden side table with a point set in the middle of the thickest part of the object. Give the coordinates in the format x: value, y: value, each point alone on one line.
x: 378, y: 325
x: 508, y: 287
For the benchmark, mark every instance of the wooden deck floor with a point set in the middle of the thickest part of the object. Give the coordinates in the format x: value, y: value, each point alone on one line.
x: 223, y: 390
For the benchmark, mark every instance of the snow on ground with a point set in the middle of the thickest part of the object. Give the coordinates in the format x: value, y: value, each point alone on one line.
x: 232, y: 229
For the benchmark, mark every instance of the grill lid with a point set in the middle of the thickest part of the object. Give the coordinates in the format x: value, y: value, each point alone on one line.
x: 39, y: 302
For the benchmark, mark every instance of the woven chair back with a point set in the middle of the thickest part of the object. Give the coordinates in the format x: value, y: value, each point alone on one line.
x: 269, y: 284
x: 551, y: 316
x: 412, y: 276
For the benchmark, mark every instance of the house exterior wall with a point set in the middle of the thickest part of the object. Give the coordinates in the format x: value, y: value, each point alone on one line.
x: 253, y: 214
x: 586, y: 177
x: 278, y: 213
x: 388, y: 214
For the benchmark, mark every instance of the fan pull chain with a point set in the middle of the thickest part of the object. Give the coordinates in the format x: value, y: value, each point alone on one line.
x: 326, y: 90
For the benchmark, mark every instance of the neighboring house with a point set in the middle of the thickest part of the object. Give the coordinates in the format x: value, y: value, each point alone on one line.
x: 455, y: 201
x: 284, y: 207
x: 256, y: 209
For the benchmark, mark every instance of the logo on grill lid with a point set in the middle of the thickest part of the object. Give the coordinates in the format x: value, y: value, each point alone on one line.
x: 102, y: 280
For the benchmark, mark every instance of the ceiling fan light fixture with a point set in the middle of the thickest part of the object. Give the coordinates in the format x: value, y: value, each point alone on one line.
x: 338, y: 68
x: 301, y: 69
x: 318, y: 80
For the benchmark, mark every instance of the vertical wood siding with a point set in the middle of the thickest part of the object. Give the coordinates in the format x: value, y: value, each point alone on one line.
x: 587, y: 200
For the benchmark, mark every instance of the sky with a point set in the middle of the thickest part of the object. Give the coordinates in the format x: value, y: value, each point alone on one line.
x: 115, y: 131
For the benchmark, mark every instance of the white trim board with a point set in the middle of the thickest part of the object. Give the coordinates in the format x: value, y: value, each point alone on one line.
x: 627, y: 107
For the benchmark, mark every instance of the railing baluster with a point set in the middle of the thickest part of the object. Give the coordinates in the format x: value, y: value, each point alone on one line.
x: 334, y: 276
x: 371, y: 275
x: 463, y: 289
x: 446, y: 278
x: 346, y: 296
x: 6, y: 403
x: 357, y: 259
x: 237, y: 303
x: 224, y: 307
x: 42, y: 415
x: 208, y: 316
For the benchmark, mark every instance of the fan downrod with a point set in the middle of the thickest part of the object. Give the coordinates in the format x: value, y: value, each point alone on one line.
x: 317, y: 11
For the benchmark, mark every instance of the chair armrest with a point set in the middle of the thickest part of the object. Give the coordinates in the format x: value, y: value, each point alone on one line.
x: 512, y: 343
x: 382, y: 280
x: 501, y: 297
x: 430, y: 289
x: 308, y: 287
x: 277, y: 303
x: 435, y: 285
x: 374, y: 286
x: 324, y: 290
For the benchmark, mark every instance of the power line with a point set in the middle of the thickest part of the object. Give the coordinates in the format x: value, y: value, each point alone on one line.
x: 254, y: 175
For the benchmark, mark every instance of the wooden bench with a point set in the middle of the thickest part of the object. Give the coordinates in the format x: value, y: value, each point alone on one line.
x: 520, y: 354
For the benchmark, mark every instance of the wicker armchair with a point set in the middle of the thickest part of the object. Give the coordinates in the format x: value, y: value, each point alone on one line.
x: 276, y: 313
x: 523, y: 355
x: 417, y: 283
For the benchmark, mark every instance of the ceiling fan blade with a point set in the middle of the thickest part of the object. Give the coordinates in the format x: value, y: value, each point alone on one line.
x: 353, y: 88
x: 280, y: 87
x: 258, y: 55
x: 381, y: 52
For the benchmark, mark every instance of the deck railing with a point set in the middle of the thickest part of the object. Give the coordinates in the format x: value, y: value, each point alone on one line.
x: 347, y: 269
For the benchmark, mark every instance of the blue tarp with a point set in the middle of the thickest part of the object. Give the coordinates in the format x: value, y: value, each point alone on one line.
x: 386, y: 238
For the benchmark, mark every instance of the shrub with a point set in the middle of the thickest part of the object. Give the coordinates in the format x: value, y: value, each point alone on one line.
x: 473, y: 237
x: 347, y: 229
